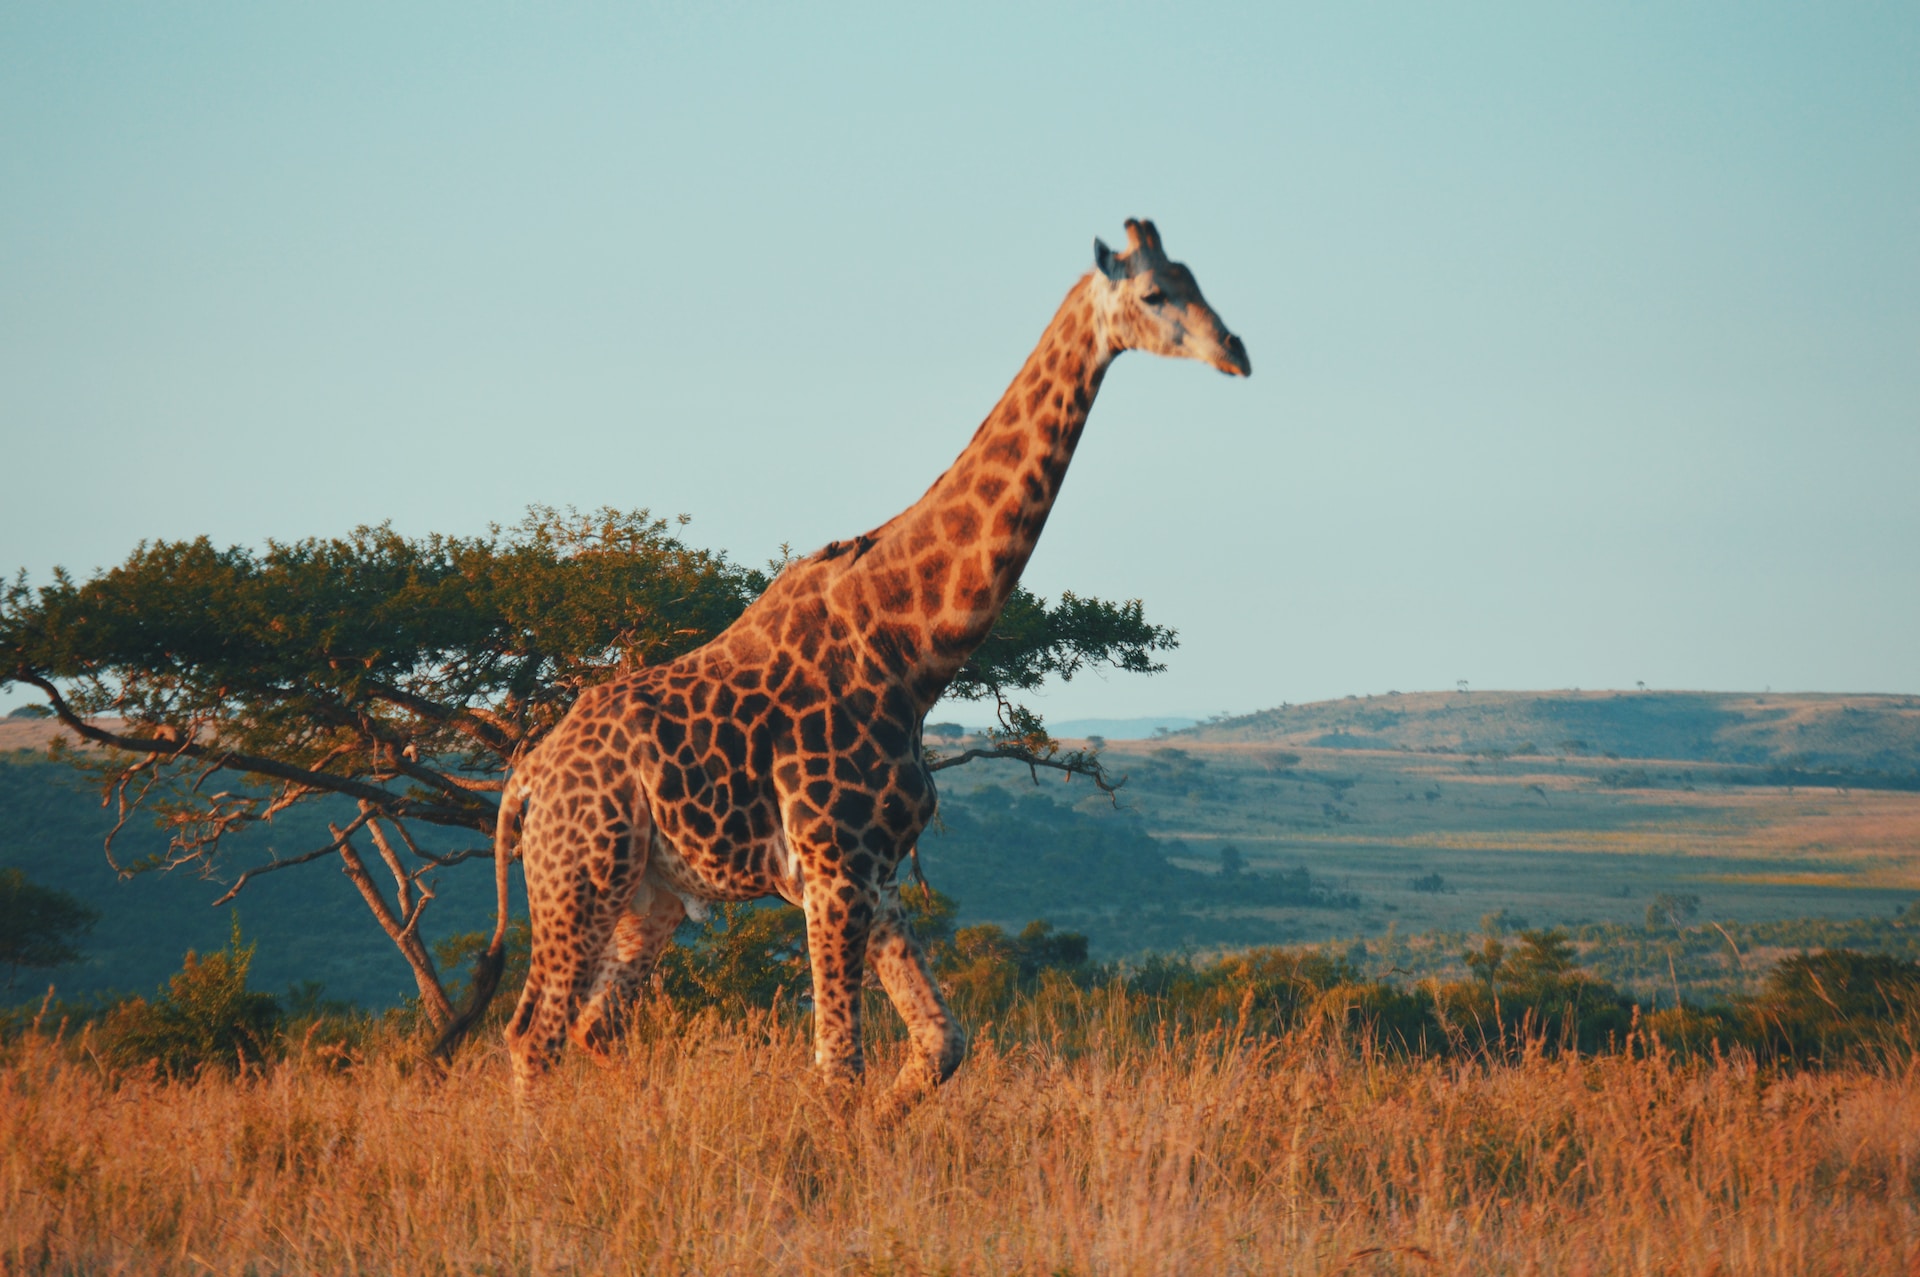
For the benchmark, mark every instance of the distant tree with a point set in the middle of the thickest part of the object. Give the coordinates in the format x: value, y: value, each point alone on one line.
x: 1500, y: 922
x: 984, y: 967
x: 39, y: 925
x: 1232, y: 862
x: 29, y: 711
x: 945, y: 731
x: 1671, y: 910
x: 407, y: 675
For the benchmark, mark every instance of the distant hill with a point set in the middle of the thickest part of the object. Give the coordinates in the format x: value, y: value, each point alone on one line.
x: 1081, y: 728
x: 1837, y: 733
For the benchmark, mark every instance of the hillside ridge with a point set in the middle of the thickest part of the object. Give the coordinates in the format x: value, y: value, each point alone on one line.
x: 1842, y: 732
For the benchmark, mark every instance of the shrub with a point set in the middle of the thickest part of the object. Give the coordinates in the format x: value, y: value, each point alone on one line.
x: 205, y: 1017
x: 743, y: 957
x: 1836, y: 1003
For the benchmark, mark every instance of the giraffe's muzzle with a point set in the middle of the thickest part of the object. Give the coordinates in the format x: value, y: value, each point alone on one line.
x: 1234, y: 362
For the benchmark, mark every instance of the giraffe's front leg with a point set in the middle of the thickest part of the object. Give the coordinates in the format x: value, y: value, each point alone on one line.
x: 840, y: 916
x: 939, y: 1044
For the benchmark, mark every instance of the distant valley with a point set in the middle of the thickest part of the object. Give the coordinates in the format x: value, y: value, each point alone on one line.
x: 1321, y: 823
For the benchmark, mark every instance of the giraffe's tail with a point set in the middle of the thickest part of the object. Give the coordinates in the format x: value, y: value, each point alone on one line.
x: 487, y: 968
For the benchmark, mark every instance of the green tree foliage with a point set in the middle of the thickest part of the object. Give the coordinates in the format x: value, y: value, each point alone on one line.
x: 39, y: 925
x: 1032, y: 643
x: 206, y: 1017
x: 1488, y: 962
x: 984, y: 969
x: 1534, y: 985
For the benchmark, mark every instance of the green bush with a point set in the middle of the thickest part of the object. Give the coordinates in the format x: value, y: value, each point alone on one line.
x: 1836, y: 1003
x: 206, y: 1017
x: 744, y: 956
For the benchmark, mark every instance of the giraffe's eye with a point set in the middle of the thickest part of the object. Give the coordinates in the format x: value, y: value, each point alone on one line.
x: 1153, y: 298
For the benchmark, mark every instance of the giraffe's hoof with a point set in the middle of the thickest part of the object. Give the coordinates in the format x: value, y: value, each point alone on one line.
x: 892, y: 1108
x: 921, y: 1076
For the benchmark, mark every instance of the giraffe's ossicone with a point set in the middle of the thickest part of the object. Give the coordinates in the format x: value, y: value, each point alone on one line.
x: 784, y: 757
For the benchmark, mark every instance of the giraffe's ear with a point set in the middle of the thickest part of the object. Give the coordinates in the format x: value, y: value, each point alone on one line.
x: 1103, y: 258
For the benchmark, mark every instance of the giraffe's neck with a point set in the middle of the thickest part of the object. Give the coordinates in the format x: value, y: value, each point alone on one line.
x: 928, y: 585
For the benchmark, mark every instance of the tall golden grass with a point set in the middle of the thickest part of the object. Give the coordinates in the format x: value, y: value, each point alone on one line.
x: 1082, y: 1140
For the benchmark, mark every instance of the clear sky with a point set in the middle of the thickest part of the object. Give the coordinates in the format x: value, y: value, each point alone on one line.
x: 1586, y: 339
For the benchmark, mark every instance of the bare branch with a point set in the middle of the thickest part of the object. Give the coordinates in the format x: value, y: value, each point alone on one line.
x: 329, y: 849
x: 402, y: 884
x: 454, y: 857
x: 448, y: 784
x: 1074, y: 764
x: 405, y: 882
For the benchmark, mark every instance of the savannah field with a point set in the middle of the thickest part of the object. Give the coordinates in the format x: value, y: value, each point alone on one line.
x: 1082, y: 1139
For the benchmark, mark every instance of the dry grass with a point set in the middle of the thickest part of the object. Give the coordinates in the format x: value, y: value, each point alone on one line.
x: 1088, y: 1147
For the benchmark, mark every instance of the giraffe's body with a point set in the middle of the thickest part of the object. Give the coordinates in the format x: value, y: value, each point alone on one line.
x: 784, y: 757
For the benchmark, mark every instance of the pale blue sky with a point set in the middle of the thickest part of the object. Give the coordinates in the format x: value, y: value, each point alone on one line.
x: 1586, y: 342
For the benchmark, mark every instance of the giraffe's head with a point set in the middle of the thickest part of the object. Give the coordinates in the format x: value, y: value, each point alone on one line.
x: 1153, y: 304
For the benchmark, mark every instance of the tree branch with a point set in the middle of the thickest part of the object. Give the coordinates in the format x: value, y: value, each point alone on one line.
x: 1075, y: 764
x: 484, y: 733
x: 480, y: 815
x: 434, y: 998
x: 327, y: 850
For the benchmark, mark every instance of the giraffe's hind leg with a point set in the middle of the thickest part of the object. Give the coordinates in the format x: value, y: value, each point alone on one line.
x: 939, y: 1044
x: 640, y: 935
x: 581, y: 871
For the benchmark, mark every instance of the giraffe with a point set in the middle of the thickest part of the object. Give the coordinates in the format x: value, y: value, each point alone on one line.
x: 784, y: 757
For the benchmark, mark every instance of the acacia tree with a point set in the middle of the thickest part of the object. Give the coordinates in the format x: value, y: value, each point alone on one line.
x: 222, y: 687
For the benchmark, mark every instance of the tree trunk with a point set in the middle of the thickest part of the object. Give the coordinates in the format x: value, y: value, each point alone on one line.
x: 403, y: 929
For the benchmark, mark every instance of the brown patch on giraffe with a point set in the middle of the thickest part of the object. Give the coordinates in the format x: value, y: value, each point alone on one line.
x: 894, y: 590
x: 961, y: 523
